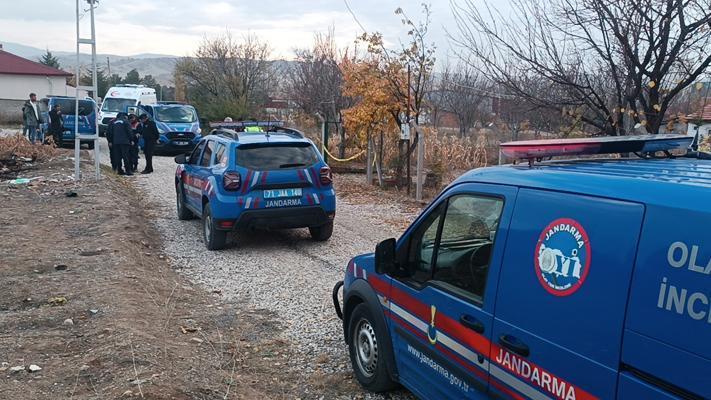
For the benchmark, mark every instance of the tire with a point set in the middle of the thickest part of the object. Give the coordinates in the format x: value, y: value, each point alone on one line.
x: 321, y: 233
x: 214, y: 239
x: 365, y: 345
x: 183, y: 213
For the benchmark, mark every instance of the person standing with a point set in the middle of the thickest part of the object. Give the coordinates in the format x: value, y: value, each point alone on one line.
x: 31, y: 119
x: 121, y: 139
x: 150, y: 134
x: 110, y: 140
x: 133, y: 148
x: 56, y: 124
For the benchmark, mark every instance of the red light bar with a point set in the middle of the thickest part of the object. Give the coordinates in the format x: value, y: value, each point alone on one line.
x: 533, y: 149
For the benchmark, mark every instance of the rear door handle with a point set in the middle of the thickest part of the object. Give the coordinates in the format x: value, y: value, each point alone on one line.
x: 472, y: 323
x: 512, y: 343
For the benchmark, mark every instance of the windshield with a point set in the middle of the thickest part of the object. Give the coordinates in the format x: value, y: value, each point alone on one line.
x: 176, y: 114
x: 273, y: 157
x: 86, y: 107
x: 117, y: 105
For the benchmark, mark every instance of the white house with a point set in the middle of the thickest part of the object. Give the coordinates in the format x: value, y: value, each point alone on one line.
x: 19, y: 77
x: 700, y: 123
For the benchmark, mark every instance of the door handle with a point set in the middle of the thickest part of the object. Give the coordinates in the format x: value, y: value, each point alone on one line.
x: 512, y: 343
x: 472, y: 323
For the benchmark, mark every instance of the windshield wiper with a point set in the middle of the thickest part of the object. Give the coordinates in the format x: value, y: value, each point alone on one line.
x: 292, y: 165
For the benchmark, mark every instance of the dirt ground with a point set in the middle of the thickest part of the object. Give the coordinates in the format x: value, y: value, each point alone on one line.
x: 86, y: 296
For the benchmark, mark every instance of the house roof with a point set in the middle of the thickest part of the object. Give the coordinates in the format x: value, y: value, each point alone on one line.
x: 16, y: 65
x: 704, y: 116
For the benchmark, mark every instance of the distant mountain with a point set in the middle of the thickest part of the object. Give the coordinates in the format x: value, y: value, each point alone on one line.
x: 159, y: 65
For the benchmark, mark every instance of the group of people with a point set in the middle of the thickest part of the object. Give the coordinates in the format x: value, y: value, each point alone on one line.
x: 123, y: 134
x: 31, y: 122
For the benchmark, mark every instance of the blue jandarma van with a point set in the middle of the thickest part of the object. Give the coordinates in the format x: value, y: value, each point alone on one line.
x: 585, y: 279
x: 87, y: 117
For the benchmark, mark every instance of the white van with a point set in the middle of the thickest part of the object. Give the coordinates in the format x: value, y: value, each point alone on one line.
x: 118, y: 98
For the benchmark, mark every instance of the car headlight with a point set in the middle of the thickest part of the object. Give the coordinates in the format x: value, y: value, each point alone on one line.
x: 198, y: 131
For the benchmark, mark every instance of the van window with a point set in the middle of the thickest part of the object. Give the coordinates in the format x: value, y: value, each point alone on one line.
x: 207, y: 154
x: 466, y: 242
x: 273, y: 157
x: 422, y: 247
x: 113, y: 104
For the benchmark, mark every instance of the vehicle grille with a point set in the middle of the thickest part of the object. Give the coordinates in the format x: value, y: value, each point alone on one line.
x: 180, y: 135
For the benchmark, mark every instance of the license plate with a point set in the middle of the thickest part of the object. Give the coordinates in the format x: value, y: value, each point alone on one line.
x: 282, y: 193
x: 181, y: 143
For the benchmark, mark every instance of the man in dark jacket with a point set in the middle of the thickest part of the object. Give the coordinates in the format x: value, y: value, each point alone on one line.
x: 150, y: 134
x: 31, y: 119
x: 56, y: 124
x: 121, y: 141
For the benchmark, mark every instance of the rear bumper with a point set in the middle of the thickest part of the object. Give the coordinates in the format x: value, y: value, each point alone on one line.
x: 278, y: 218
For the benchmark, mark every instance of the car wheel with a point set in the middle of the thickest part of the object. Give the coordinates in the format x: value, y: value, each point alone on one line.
x: 215, y: 239
x: 183, y: 212
x: 322, y: 233
x: 365, y: 345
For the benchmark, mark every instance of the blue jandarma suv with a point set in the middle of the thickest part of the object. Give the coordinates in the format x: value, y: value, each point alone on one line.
x: 273, y: 178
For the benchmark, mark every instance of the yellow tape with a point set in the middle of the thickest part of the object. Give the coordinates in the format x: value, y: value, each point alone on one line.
x: 343, y: 159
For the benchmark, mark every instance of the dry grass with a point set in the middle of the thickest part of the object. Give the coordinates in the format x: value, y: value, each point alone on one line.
x: 18, y: 147
x: 706, y: 144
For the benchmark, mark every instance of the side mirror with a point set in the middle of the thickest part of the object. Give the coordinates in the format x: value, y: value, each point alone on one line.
x: 385, y: 257
x: 181, y: 159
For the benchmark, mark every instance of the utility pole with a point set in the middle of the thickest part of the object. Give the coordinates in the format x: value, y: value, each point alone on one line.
x: 93, y: 89
x: 108, y: 66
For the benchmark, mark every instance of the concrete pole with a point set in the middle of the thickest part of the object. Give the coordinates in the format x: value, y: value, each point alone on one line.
x: 77, y: 142
x: 95, y: 84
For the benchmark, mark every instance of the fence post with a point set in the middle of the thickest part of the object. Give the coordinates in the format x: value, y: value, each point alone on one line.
x: 420, y: 163
x: 369, y: 162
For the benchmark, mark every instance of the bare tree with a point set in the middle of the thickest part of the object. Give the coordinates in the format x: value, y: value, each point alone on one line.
x: 606, y: 60
x: 227, y: 77
x: 464, y: 92
x: 315, y: 81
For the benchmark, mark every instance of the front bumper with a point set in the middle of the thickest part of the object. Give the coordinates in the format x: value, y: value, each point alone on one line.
x: 278, y: 218
x: 173, y: 147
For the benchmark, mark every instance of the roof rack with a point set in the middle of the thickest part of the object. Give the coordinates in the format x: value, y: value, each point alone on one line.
x: 644, y: 146
x: 237, y: 125
x: 228, y: 133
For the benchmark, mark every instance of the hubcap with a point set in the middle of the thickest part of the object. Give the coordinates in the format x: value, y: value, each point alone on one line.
x: 366, y: 347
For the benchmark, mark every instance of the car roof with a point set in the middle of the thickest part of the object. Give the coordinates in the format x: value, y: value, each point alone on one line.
x: 287, y: 136
x: 672, y: 182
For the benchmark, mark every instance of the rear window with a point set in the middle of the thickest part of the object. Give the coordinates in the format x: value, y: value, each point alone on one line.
x: 273, y: 157
x: 86, y: 107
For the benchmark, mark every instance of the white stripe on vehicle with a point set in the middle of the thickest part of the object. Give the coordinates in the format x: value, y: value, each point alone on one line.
x: 249, y: 201
x: 355, y: 270
x: 365, y: 274
x: 308, y: 176
x: 513, y: 382
x: 316, y: 200
x: 442, y: 338
x: 383, y: 301
x: 255, y: 179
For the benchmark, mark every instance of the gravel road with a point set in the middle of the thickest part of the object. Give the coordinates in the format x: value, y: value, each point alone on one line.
x: 283, y: 272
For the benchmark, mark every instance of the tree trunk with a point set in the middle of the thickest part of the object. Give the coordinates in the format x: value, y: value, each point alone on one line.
x: 342, y: 145
x: 369, y: 161
x: 379, y: 164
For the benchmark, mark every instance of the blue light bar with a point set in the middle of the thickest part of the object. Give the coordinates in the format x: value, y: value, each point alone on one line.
x: 532, y: 149
x: 242, y: 124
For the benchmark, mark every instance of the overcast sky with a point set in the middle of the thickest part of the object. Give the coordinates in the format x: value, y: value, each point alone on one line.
x: 127, y: 27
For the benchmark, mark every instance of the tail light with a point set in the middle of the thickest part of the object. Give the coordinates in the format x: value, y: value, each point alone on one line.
x: 231, y: 181
x: 326, y: 176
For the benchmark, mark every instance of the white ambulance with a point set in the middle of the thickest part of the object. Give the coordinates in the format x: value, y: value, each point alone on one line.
x: 119, y: 98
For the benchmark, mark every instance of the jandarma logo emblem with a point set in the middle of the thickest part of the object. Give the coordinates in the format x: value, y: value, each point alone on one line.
x: 562, y: 257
